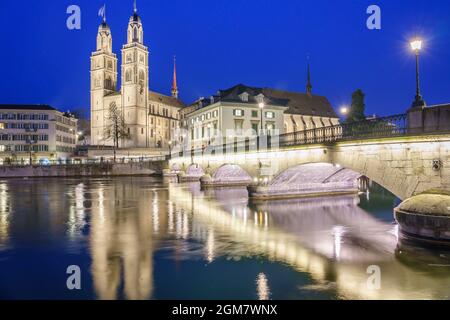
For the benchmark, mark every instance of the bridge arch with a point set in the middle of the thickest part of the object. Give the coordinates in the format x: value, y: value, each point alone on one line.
x: 231, y: 173
x: 309, y: 179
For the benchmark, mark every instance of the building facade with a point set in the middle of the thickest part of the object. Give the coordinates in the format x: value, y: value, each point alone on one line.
x: 243, y: 111
x: 148, y: 118
x: 37, y: 132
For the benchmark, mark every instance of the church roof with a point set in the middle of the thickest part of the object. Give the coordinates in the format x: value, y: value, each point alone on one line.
x: 171, y: 101
x: 297, y: 103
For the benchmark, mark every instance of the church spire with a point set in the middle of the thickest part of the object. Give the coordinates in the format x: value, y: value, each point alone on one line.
x: 135, y: 7
x: 174, y: 83
x: 308, y: 84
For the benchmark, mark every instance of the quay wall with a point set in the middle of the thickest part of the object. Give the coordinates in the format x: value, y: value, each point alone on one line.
x: 84, y: 170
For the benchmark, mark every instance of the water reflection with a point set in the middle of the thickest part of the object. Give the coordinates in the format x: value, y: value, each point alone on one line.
x: 4, y: 215
x: 128, y: 227
x: 314, y: 235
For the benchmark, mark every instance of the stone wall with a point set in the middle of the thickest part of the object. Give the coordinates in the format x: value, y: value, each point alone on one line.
x: 84, y: 170
x: 404, y: 165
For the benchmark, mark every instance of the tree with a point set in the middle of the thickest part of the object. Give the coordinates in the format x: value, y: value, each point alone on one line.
x: 358, y: 107
x: 115, y: 128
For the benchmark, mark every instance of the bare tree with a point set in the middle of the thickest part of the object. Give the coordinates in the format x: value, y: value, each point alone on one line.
x: 115, y: 128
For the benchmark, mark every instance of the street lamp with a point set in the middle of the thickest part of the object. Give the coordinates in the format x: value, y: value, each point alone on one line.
x: 416, y: 46
x: 344, y: 110
x: 261, y: 107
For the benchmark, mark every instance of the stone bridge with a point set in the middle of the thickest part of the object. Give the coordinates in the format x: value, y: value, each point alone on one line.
x: 406, y: 154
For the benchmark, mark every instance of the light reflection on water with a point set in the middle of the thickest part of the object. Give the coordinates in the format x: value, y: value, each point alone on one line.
x: 145, y: 238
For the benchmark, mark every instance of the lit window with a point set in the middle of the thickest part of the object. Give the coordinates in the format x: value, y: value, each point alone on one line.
x: 270, y: 115
x: 238, y: 112
x: 2, y: 126
x: 215, y: 114
x: 208, y: 115
x: 203, y: 117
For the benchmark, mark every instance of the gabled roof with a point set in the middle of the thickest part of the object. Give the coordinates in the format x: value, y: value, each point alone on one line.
x: 298, y: 103
x: 26, y: 107
x: 171, y: 101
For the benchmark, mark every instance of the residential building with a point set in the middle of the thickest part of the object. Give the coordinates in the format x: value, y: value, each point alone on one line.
x: 244, y: 111
x: 37, y: 132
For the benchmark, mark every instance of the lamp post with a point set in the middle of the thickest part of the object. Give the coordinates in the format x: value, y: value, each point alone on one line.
x: 261, y: 107
x: 344, y: 111
x: 416, y: 46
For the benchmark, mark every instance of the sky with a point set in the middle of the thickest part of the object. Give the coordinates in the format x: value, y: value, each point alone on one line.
x: 220, y: 43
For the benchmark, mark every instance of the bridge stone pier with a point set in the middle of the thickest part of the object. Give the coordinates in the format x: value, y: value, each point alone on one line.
x: 404, y: 161
x: 405, y: 166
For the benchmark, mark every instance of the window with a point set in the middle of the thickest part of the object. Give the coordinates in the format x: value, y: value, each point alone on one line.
x: 208, y: 115
x: 255, y: 126
x: 215, y: 113
x: 254, y: 113
x: 270, y: 115
x: 2, y: 126
x: 128, y: 75
x: 238, y: 112
x: 203, y: 117
x: 129, y: 58
x: 238, y: 124
x: 244, y: 97
x: 142, y: 130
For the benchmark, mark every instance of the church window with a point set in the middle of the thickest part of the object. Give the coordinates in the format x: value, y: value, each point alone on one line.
x: 135, y: 34
x: 141, y: 58
x: 108, y: 83
x: 110, y: 64
x: 142, y: 130
x: 128, y: 75
x: 129, y: 58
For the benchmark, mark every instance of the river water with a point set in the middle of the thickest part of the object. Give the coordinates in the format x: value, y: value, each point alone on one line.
x: 150, y: 238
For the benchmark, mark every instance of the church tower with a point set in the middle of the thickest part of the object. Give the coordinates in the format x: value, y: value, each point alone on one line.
x: 103, y: 81
x: 135, y: 75
x: 174, y: 83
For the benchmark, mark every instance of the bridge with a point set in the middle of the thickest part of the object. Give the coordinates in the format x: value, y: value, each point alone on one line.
x: 406, y: 154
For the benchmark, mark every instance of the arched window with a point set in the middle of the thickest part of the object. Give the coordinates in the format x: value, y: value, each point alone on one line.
x: 129, y: 58
x: 128, y: 75
x: 141, y: 75
x: 108, y: 83
x: 135, y: 34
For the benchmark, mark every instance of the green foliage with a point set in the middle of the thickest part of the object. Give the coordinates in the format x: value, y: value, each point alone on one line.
x: 357, y: 110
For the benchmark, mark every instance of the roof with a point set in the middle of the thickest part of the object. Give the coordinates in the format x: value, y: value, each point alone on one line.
x: 171, y: 101
x: 297, y: 103
x: 25, y: 107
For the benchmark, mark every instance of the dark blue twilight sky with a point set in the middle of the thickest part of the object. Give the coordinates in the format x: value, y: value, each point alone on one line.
x: 220, y: 43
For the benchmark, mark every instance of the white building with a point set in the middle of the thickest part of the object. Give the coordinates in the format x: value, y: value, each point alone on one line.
x: 244, y: 111
x: 37, y: 131
x: 149, y: 117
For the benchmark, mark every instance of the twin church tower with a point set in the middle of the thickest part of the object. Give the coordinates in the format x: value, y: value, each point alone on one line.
x: 149, y: 117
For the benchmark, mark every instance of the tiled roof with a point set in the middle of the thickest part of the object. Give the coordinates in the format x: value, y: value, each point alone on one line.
x: 167, y: 100
x: 298, y: 103
x: 26, y: 107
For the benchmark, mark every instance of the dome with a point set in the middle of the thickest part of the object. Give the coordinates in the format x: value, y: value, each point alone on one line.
x: 435, y: 203
x: 103, y: 27
x: 135, y: 18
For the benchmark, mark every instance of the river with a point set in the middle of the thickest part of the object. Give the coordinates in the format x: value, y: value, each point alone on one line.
x: 151, y: 238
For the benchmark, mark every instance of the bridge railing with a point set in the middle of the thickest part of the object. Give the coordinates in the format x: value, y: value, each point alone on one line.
x: 383, y: 127
x: 371, y: 128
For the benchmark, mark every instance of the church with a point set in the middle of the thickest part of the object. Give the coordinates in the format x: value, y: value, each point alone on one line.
x: 149, y: 118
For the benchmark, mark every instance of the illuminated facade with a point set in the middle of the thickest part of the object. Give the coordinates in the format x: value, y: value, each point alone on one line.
x: 245, y: 111
x: 37, y: 131
x: 149, y: 117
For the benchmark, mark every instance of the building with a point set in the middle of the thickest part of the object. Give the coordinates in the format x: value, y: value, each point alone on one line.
x: 37, y: 132
x: 245, y: 111
x: 149, y: 118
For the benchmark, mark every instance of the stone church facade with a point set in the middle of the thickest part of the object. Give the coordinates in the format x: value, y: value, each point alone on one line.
x: 150, y: 118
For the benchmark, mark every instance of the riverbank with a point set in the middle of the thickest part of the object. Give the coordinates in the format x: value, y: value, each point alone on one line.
x: 84, y: 170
